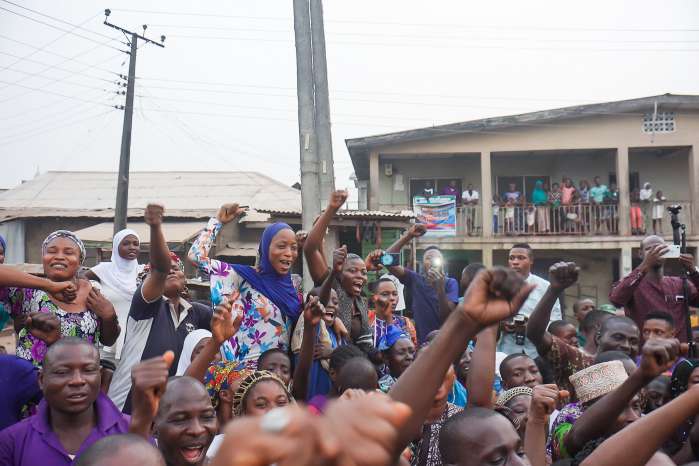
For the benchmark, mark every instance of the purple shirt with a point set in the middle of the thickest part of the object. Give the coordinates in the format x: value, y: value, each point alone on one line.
x: 31, y: 442
x: 425, y: 303
x: 18, y: 379
x: 640, y: 295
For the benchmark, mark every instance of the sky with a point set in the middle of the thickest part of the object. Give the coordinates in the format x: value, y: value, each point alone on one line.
x: 221, y: 95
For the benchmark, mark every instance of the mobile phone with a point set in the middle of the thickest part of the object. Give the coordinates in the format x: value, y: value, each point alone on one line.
x: 519, y: 319
x: 388, y: 259
x: 673, y: 252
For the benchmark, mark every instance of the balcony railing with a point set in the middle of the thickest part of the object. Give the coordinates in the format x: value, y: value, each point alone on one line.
x: 579, y: 219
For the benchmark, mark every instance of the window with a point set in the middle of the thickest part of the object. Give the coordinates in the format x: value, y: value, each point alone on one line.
x: 660, y: 122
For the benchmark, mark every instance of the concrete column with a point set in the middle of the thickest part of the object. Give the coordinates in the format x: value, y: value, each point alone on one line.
x: 625, y: 264
x: 487, y: 256
x: 374, y: 186
x: 486, y: 197
x: 622, y: 181
x: 693, y: 223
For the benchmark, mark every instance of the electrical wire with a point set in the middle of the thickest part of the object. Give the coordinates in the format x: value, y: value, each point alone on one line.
x: 22, y: 137
x: 60, y: 29
x: 48, y: 92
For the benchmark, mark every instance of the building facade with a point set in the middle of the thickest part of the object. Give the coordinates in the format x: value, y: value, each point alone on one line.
x: 627, y: 143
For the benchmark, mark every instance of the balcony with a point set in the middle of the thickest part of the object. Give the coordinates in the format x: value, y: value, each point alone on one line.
x: 571, y: 220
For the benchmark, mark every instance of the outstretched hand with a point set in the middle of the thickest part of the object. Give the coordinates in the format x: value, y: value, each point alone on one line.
x: 313, y: 311
x: 339, y: 258
x: 65, y: 292
x: 229, y: 212
x: 373, y: 260
x: 148, y: 381
x: 417, y: 230
x: 337, y: 199
x: 494, y: 295
x: 544, y: 401
x: 223, y: 323
x: 657, y: 356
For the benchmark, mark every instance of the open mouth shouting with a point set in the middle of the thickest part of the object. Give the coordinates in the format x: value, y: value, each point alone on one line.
x: 194, y: 452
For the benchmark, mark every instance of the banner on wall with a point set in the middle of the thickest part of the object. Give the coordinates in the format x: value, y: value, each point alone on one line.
x: 437, y: 213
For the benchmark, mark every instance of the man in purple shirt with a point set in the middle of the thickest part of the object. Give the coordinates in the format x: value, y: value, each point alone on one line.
x: 433, y: 294
x: 646, y: 289
x: 73, y: 415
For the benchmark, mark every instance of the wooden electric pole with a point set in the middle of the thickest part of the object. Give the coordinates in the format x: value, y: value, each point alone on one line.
x: 122, y: 194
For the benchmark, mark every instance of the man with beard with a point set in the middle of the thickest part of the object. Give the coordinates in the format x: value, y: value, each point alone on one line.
x: 73, y: 415
x: 647, y: 289
x: 159, y: 319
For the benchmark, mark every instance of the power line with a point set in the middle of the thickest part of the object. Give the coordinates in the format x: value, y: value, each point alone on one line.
x: 31, y: 111
x: 61, y: 29
x: 39, y: 49
x: 50, y: 92
x: 432, y: 25
x: 38, y: 133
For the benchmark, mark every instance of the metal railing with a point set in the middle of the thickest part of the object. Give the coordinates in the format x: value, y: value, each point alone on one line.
x: 576, y: 219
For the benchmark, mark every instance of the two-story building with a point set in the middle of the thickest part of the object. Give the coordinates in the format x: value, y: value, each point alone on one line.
x: 625, y: 143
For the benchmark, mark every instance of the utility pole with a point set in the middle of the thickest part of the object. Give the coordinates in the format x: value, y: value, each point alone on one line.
x: 310, y: 195
x: 326, y: 174
x: 122, y: 194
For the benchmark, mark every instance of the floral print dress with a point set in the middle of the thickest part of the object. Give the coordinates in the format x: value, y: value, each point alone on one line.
x: 84, y: 324
x: 264, y: 326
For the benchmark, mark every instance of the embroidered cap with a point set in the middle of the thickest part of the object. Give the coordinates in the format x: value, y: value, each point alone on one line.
x: 598, y: 380
x: 508, y: 395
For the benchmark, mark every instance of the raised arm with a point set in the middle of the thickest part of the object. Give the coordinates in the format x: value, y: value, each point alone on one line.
x: 154, y: 285
x: 635, y: 444
x: 223, y: 326
x: 313, y: 247
x: 561, y: 276
x: 494, y: 295
x: 148, y: 381
x: 544, y: 401
x: 481, y: 374
x: 658, y: 355
x: 622, y: 291
x: 199, y: 252
x: 12, y: 277
x: 415, y: 231
x: 312, y: 313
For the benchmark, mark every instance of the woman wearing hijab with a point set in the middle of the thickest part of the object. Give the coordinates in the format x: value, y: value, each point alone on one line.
x: 193, y: 345
x: 69, y: 306
x: 266, y: 296
x: 540, y: 199
x: 119, y: 280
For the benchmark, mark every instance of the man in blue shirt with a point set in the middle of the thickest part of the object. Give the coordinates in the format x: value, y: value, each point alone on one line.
x: 434, y: 295
x: 18, y: 379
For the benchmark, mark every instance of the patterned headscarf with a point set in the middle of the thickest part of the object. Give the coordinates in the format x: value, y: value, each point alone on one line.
x: 64, y: 234
x: 680, y: 376
x: 221, y: 375
x: 148, y: 267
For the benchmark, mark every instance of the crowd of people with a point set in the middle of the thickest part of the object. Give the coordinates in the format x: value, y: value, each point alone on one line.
x: 116, y: 365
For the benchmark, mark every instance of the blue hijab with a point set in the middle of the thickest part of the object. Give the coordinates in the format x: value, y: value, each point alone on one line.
x: 3, y: 244
x: 277, y: 288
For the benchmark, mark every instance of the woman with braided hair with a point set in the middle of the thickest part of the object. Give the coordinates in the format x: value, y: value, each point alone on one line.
x: 259, y: 393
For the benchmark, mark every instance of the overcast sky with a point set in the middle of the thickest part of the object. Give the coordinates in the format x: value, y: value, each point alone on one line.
x: 221, y: 94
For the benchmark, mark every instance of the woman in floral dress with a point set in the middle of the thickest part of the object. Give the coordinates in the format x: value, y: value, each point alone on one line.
x: 61, y: 305
x: 266, y: 296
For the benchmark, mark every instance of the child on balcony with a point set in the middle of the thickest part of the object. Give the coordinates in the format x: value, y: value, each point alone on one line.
x: 658, y: 212
x: 636, y: 214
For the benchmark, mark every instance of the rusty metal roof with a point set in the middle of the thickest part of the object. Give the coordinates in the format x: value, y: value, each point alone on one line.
x: 354, y: 214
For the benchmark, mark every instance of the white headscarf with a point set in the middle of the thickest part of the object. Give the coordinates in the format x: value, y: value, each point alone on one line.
x: 120, y: 274
x: 190, y: 343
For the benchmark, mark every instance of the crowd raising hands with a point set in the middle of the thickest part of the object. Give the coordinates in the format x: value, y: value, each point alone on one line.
x: 272, y: 373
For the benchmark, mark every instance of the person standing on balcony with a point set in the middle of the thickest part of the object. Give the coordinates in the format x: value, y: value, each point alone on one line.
x: 513, y: 198
x: 513, y: 339
x: 584, y: 194
x: 470, y: 199
x: 658, y: 212
x: 540, y: 199
x: 567, y: 196
x: 451, y: 190
x: 434, y: 294
x: 598, y: 193
x: 613, y: 208
x: 555, y: 198
x: 636, y: 215
x: 646, y: 289
x: 646, y: 198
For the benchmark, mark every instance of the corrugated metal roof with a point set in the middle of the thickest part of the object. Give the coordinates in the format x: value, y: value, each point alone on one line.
x: 358, y: 214
x: 184, y: 194
x: 174, y: 232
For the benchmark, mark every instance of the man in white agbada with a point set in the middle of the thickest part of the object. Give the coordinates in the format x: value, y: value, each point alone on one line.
x: 118, y: 279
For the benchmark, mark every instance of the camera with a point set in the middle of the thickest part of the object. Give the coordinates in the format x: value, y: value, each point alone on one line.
x: 674, y: 209
x: 388, y: 259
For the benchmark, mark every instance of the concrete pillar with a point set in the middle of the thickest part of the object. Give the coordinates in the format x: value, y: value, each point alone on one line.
x: 625, y: 263
x: 622, y: 181
x: 487, y: 256
x: 374, y: 179
x: 693, y: 223
x: 486, y: 197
